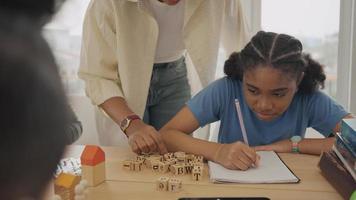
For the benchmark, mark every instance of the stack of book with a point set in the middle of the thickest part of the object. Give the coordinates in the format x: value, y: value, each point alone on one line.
x: 339, y: 165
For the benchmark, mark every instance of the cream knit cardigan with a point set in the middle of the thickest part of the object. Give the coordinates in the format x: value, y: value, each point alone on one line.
x: 119, y: 41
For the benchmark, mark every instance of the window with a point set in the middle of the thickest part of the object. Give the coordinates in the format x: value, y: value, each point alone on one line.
x: 346, y: 93
x: 63, y: 34
x: 315, y: 23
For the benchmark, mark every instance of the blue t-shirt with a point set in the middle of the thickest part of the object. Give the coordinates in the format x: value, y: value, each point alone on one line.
x: 217, y: 102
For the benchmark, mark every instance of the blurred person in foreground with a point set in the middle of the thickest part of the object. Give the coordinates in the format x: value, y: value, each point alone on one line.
x: 34, y: 111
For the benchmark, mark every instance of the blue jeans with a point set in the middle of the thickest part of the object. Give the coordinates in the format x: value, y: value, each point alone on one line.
x: 169, y: 91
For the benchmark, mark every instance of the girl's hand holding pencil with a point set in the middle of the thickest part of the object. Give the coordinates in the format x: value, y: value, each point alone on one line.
x: 236, y: 155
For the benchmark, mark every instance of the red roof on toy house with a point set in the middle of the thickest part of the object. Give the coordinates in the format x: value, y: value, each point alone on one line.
x: 92, y: 155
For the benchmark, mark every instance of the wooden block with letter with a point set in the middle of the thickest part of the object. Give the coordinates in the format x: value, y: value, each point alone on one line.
x: 163, y: 167
x: 141, y: 158
x: 127, y: 164
x: 197, y: 173
x: 180, y: 156
x: 156, y: 157
x: 197, y: 164
x: 189, y: 158
x: 137, y: 165
x: 177, y: 169
x: 162, y: 183
x: 152, y: 159
x: 155, y: 166
x: 168, y: 156
x: 188, y: 168
x: 171, y: 161
x: 93, y: 165
x: 174, y: 185
x: 199, y: 159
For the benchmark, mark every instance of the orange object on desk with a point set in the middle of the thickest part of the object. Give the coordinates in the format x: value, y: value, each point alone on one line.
x: 92, y: 155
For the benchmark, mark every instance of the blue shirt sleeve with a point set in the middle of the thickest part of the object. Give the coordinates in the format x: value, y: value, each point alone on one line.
x: 207, y: 105
x: 324, y: 113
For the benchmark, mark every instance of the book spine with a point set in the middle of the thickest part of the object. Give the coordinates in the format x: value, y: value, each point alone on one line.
x: 344, y: 150
x: 342, y: 142
x: 335, y: 173
x: 348, y: 133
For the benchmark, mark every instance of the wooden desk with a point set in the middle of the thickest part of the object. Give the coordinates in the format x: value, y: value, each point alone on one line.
x: 124, y: 184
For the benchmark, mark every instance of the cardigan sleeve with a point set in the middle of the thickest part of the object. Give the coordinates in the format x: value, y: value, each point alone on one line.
x: 98, y: 61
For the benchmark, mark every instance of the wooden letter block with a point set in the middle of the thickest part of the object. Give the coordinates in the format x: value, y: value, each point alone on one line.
x: 197, y: 173
x: 148, y: 162
x: 141, y: 158
x: 179, y: 154
x: 181, y: 159
x: 188, y: 167
x: 151, y: 160
x: 162, y: 184
x: 189, y: 158
x: 137, y: 165
x: 200, y: 164
x: 171, y: 161
x: 145, y: 158
x: 168, y: 156
x: 155, y: 166
x: 174, y: 185
x: 177, y: 169
x: 163, y: 167
x: 156, y: 157
x: 199, y: 159
x: 127, y: 164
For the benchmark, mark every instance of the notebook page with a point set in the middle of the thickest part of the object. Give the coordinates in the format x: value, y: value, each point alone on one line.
x: 270, y: 170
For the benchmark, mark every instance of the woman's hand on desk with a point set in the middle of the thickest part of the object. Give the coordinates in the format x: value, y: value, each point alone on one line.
x: 283, y: 146
x: 144, y: 138
x: 236, y: 156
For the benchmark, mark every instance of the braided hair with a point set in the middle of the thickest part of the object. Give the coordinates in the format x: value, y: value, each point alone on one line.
x: 282, y: 52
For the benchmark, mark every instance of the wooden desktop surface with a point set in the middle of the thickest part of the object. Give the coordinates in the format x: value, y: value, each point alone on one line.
x: 124, y: 184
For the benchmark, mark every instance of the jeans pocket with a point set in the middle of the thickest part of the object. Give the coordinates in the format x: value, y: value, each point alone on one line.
x: 172, y: 72
x: 179, y: 69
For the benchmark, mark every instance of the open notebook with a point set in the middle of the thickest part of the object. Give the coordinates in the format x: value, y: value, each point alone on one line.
x: 271, y: 170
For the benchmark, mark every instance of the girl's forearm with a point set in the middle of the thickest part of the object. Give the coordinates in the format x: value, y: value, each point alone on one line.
x: 177, y: 141
x: 315, y: 146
